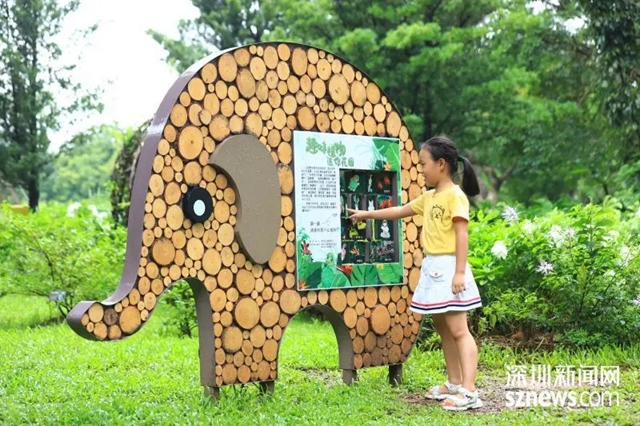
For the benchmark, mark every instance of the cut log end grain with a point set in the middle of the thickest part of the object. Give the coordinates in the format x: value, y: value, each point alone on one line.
x: 370, y: 297
x: 394, y: 123
x: 218, y: 300
x: 362, y: 326
x: 306, y: 118
x: 370, y: 341
x: 134, y: 297
x: 269, y: 314
x: 268, y: 91
x: 178, y: 115
x: 114, y: 333
x: 227, y: 67
x: 350, y: 317
x: 149, y: 301
x: 257, y: 336
x: 380, y: 320
x: 242, y: 57
x: 209, y: 73
x: 96, y: 312
x: 195, y: 249
x: 130, y: 320
x: 397, y: 334
x: 285, y: 178
x: 244, y: 374
x: 414, y: 278
x: 100, y: 330
x: 278, y: 260
x: 373, y: 93
x: 299, y: 61
x: 163, y: 252
x: 339, y: 89
x: 232, y: 339
x: 414, y: 191
x: 225, y: 234
x: 338, y: 300
x: 290, y: 301
x: 270, y: 350
x: 190, y: 142
x: 258, y: 68
x: 229, y: 374
x: 110, y: 317
x: 358, y: 93
x: 245, y: 281
x: 246, y: 83
x: 411, y: 232
x: 247, y: 313
x: 196, y: 89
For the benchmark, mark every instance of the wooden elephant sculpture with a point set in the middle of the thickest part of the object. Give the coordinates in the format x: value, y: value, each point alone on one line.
x: 213, y: 203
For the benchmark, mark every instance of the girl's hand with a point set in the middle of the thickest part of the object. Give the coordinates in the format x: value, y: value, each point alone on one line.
x: 358, y: 215
x: 458, y: 284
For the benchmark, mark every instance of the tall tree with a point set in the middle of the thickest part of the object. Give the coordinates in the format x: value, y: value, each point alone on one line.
x: 28, y: 78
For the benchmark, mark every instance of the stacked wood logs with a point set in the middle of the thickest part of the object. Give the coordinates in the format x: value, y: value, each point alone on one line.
x: 268, y: 90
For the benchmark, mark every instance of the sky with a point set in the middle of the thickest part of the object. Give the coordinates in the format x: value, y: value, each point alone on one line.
x: 121, y: 59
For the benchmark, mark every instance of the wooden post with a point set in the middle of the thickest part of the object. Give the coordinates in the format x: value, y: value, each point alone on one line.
x: 212, y: 392
x: 395, y: 375
x: 268, y: 386
x: 349, y: 376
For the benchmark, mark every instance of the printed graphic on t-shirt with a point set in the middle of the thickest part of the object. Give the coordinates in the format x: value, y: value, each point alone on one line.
x: 437, y: 212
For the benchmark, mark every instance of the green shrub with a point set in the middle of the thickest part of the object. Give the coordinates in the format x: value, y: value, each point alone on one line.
x: 181, y: 315
x: 574, y: 274
x: 80, y: 254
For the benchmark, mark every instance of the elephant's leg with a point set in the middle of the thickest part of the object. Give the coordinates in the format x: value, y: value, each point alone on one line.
x: 349, y: 376
x: 395, y: 374
x: 212, y: 392
x: 267, y: 386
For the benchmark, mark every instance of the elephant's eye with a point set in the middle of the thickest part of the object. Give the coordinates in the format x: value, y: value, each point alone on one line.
x: 197, y: 204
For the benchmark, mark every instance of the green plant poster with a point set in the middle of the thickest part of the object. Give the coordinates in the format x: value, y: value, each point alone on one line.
x: 334, y: 172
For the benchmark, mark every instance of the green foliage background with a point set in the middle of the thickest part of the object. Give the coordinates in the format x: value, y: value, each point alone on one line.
x: 543, y: 99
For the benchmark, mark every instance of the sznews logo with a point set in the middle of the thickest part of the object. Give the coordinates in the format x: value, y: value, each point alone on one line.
x: 545, y: 398
x: 536, y: 386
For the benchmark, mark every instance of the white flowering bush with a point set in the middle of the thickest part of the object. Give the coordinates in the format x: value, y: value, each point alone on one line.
x: 574, y: 275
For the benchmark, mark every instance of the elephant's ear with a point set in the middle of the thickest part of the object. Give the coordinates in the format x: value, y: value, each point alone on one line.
x: 252, y: 172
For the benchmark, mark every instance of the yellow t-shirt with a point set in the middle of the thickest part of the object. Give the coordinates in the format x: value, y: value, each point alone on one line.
x: 438, y: 211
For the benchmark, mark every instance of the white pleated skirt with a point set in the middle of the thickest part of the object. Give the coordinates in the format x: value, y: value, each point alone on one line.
x: 434, y: 295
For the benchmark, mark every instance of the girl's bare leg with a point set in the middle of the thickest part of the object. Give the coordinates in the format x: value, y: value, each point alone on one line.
x: 450, y: 350
x: 456, y: 325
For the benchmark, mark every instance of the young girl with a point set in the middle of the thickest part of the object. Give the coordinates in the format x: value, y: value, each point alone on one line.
x: 447, y: 289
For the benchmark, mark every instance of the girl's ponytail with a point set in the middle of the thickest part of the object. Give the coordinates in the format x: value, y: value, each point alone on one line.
x: 443, y: 147
x: 469, y: 179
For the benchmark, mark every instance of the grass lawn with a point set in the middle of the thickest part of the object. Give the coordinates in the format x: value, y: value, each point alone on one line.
x: 48, y: 375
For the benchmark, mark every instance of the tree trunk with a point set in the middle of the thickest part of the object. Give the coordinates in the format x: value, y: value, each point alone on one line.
x: 494, y: 182
x: 33, y: 189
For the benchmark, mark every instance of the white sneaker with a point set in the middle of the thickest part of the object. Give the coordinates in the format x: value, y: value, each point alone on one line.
x: 469, y: 400
x: 436, y: 394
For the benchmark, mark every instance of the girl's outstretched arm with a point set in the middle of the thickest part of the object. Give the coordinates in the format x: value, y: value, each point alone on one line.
x: 390, y: 213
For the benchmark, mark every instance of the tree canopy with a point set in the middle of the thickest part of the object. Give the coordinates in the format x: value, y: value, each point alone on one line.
x: 82, y: 167
x: 544, y: 100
